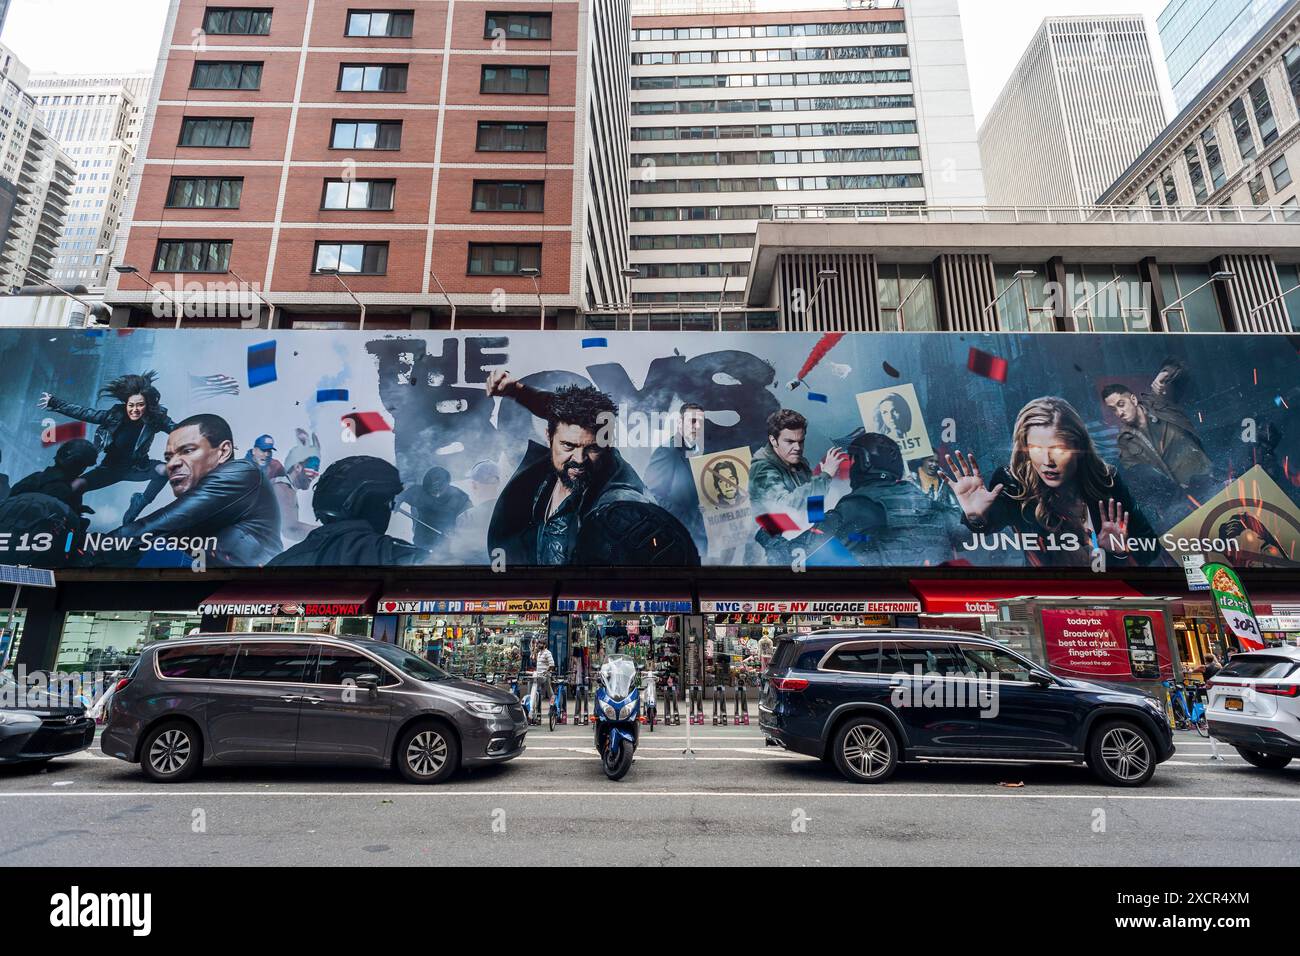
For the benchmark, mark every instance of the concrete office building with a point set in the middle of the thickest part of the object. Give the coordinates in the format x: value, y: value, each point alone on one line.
x: 1237, y: 143
x: 1095, y: 269
x: 1080, y: 105
x: 328, y: 158
x: 737, y: 113
x: 1201, y: 37
x: 38, y: 178
x: 97, y: 120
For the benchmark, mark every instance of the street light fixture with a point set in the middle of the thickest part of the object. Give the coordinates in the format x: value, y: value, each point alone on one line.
x: 1020, y: 276
x: 1220, y: 276
x: 823, y: 275
x: 90, y: 309
x: 361, y: 305
x: 270, y: 317
x: 1074, y: 313
x: 630, y: 273
x: 533, y: 274
x: 451, y: 304
x: 902, y: 327
x: 1280, y: 295
x: 128, y: 270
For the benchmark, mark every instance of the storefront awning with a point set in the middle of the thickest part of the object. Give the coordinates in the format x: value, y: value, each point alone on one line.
x: 982, y: 597
x: 811, y: 598
x: 309, y: 599
x: 580, y: 597
x: 469, y: 597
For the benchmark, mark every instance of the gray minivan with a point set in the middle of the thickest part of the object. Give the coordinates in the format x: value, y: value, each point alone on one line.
x: 305, y: 699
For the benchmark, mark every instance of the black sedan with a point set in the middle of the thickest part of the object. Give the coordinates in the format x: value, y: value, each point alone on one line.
x: 36, y: 726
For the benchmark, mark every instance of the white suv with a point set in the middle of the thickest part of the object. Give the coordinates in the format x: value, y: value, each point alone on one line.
x: 1255, y: 706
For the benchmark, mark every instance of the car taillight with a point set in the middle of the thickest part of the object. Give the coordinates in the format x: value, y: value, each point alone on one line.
x: 1279, y: 690
x: 789, y: 683
x: 120, y: 684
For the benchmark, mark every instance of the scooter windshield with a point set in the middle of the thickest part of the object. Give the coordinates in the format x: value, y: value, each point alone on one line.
x: 618, y: 673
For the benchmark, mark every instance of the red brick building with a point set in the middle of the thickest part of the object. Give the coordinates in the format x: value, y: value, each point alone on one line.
x: 322, y: 156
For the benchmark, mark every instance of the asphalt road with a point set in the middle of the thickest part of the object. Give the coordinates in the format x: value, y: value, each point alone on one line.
x: 733, y: 802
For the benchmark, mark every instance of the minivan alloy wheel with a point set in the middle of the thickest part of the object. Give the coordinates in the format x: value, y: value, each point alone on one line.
x: 1125, y: 752
x: 427, y: 752
x: 866, y: 750
x: 170, y: 751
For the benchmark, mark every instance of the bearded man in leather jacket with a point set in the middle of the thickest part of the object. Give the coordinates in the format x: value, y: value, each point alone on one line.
x: 577, y: 501
x: 216, y: 495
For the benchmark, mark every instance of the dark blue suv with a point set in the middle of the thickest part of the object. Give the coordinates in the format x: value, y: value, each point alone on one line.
x: 865, y: 700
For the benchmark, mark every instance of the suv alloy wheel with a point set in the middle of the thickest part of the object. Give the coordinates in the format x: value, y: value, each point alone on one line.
x: 1121, y: 754
x: 865, y: 750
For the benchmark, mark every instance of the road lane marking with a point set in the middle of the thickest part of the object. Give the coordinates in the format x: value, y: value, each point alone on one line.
x: 801, y: 794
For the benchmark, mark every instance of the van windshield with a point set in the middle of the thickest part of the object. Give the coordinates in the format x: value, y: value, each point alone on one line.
x: 408, y: 663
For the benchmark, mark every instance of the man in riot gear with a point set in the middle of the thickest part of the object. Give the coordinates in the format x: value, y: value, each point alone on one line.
x: 49, y: 500
x: 886, y: 520
x: 354, y: 502
x: 436, y: 504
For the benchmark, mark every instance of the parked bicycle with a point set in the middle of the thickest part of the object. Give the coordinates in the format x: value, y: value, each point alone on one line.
x: 1188, y: 713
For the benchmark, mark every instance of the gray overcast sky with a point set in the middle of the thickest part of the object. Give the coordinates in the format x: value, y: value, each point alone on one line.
x: 74, y: 36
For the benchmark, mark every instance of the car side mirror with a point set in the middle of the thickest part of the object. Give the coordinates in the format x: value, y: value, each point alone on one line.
x: 1041, y: 679
x: 370, y: 682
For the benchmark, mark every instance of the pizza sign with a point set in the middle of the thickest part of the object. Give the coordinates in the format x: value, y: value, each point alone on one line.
x: 1234, y: 606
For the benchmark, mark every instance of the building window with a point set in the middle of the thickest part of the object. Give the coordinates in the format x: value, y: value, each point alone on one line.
x: 373, y: 194
x: 364, y: 134
x: 1241, y: 129
x: 356, y: 258
x: 380, y: 23
x: 1213, y: 158
x: 1196, y: 173
x: 515, y: 79
x: 1170, y: 187
x: 193, y: 255
x: 517, y: 26
x: 1258, y: 191
x: 217, y: 132
x: 237, y: 21
x: 500, y: 137
x: 906, y: 297
x: 495, y: 259
x: 1153, y: 194
x: 1280, y: 172
x: 508, y: 196
x: 1199, y: 310
x: 226, y: 76
x: 188, y: 192
x: 1264, y: 118
x: 372, y: 78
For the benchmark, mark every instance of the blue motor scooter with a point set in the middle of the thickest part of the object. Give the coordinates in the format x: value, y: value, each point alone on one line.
x: 618, y: 705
